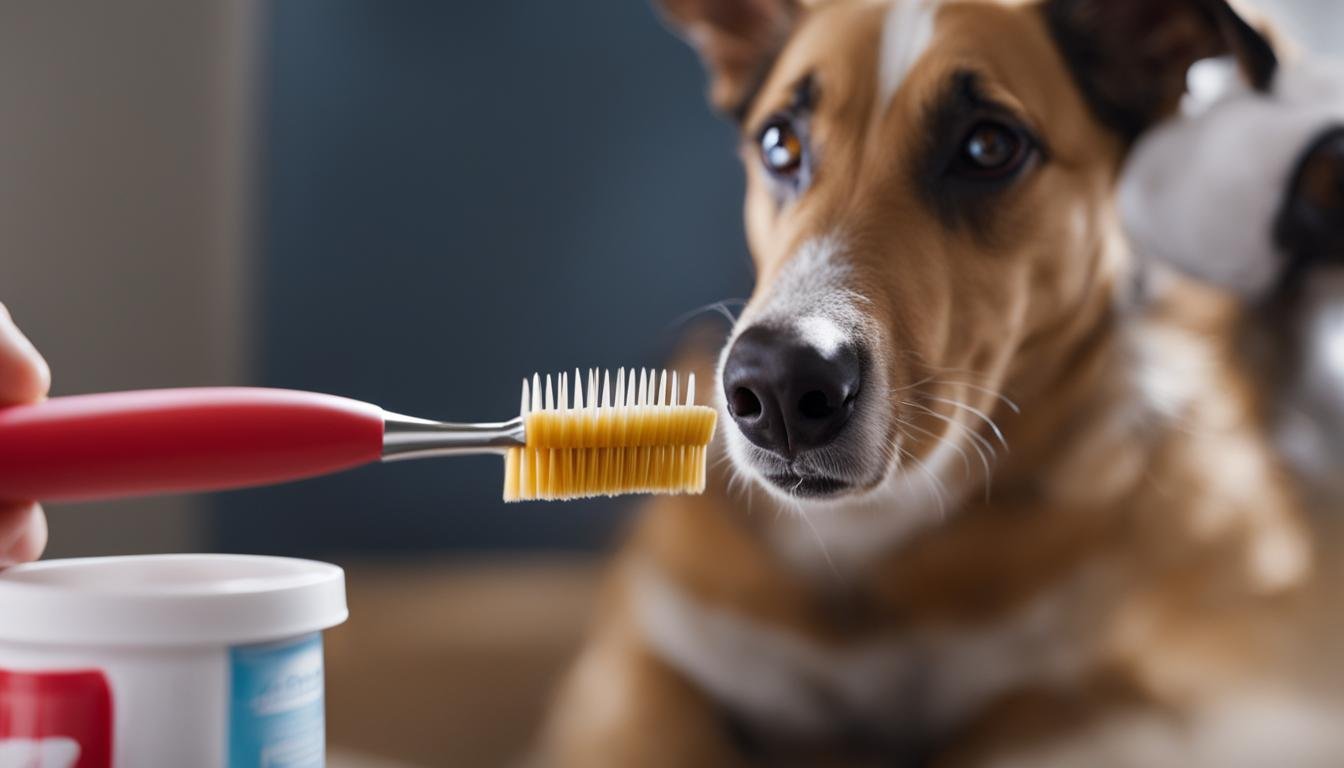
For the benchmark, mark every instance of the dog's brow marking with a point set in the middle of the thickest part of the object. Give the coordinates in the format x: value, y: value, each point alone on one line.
x: 907, y: 32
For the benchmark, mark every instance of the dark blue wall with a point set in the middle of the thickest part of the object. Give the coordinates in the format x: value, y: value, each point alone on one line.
x: 457, y: 194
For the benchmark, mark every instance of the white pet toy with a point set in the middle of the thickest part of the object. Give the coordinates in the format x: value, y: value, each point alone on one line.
x: 1245, y: 190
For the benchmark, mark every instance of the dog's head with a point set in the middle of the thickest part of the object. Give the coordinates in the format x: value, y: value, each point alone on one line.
x: 929, y: 207
x: 1245, y: 189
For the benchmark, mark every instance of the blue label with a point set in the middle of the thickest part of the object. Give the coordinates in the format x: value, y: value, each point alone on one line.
x: 276, y: 717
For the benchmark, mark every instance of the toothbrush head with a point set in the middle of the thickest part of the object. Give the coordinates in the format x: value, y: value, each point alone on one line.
x: 636, y: 436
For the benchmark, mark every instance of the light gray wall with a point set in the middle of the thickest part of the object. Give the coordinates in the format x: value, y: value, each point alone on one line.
x: 124, y: 153
x: 1317, y: 24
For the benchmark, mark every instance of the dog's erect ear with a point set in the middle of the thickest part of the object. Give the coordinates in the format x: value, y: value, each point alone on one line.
x: 1131, y: 57
x: 737, y: 39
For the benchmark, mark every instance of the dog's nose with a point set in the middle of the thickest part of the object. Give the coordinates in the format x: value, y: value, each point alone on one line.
x: 1312, y: 225
x: 787, y: 395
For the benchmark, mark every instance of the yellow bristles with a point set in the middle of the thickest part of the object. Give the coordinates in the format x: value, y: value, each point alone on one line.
x: 637, y: 436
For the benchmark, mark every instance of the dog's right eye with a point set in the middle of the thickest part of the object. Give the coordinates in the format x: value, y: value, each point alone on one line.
x: 992, y: 150
x: 781, y: 148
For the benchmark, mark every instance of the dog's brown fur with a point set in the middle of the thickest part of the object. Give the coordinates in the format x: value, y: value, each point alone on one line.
x: 1154, y: 510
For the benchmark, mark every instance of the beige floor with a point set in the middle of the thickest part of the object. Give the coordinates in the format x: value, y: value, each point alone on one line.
x: 340, y: 758
x: 450, y: 665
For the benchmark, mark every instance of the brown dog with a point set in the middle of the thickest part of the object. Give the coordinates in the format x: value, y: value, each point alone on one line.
x: 985, y: 515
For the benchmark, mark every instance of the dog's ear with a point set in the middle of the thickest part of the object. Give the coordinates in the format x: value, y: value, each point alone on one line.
x: 1131, y: 57
x: 737, y: 39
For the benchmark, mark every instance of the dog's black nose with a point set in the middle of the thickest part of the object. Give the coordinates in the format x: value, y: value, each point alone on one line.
x: 1311, y: 226
x: 785, y: 394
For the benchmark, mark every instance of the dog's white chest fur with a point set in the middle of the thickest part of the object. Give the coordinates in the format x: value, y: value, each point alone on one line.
x: 924, y: 682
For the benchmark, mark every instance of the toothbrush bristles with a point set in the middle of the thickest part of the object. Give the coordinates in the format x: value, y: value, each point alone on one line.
x: 635, y: 438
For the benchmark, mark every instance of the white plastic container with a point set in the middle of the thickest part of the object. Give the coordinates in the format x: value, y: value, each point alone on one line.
x: 171, y: 661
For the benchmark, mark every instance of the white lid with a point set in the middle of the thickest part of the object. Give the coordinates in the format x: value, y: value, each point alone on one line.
x: 159, y: 600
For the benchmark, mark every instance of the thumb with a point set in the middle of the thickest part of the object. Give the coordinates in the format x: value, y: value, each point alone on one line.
x: 24, y: 375
x: 23, y: 533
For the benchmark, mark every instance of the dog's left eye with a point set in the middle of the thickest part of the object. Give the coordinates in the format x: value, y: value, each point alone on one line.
x: 992, y: 150
x: 781, y: 148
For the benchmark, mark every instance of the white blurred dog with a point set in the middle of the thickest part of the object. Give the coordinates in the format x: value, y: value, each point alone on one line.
x: 1246, y: 191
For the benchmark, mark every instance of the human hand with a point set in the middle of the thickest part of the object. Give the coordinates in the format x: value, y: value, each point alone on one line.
x: 24, y: 378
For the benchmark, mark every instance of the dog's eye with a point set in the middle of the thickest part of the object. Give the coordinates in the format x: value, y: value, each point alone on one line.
x: 781, y: 148
x: 991, y: 151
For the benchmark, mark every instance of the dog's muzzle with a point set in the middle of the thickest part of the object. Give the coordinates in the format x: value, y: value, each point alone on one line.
x: 789, y: 396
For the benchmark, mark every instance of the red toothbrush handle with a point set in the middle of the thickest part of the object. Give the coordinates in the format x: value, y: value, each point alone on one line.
x: 176, y: 440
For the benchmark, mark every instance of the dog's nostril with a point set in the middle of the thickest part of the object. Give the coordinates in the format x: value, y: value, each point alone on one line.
x: 745, y: 404
x: 785, y: 394
x: 815, y: 405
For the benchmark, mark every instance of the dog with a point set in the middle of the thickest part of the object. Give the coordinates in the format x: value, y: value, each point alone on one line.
x: 971, y: 510
x: 1245, y: 190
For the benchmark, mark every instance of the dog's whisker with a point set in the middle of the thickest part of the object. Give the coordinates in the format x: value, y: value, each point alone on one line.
x: 735, y: 480
x: 939, y: 489
x: 935, y: 485
x: 979, y: 414
x: 724, y: 460
x: 821, y: 543
x: 979, y: 442
x: 938, y: 369
x: 986, y: 390
x: 889, y: 455
x: 718, y: 307
x: 942, y: 440
x: 907, y: 387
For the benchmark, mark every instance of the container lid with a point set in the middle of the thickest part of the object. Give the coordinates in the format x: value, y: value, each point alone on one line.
x: 156, y: 600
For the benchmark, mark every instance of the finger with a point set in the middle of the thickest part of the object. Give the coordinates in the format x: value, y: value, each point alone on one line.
x: 24, y: 375
x: 23, y: 533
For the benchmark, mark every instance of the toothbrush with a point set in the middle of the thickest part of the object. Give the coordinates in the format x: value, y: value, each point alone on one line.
x: 567, y: 442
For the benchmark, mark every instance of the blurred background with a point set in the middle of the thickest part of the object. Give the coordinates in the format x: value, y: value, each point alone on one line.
x: 414, y: 204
